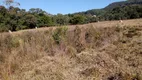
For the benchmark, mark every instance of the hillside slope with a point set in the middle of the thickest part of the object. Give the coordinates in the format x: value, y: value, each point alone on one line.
x: 97, y: 51
x: 123, y: 3
x: 111, y: 6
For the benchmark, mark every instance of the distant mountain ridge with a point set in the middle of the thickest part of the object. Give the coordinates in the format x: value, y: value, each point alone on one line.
x: 111, y: 6
x: 123, y: 3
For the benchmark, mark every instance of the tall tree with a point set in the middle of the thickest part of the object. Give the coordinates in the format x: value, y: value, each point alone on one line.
x: 9, y: 3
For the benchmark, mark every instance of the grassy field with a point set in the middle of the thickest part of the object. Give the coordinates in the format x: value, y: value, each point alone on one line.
x: 108, y: 50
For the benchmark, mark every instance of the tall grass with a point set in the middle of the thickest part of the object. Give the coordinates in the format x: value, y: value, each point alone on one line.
x: 63, y: 53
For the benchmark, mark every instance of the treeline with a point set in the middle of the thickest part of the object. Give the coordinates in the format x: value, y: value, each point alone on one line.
x: 117, y: 13
x: 18, y: 19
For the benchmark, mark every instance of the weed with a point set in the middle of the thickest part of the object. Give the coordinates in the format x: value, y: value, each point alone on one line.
x: 59, y: 34
x: 15, y: 42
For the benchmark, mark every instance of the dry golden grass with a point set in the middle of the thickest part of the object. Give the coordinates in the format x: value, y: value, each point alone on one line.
x: 107, y: 50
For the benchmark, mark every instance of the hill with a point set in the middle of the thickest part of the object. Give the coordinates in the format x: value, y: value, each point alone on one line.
x: 123, y: 3
x: 109, y: 50
x: 112, y: 6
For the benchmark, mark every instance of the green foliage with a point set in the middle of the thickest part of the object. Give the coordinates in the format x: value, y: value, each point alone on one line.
x: 60, y: 19
x: 125, y: 12
x: 59, y: 34
x: 18, y: 19
x: 77, y: 19
x: 15, y: 42
x: 30, y: 21
x: 3, y: 28
x: 123, y: 3
x: 44, y: 21
x: 36, y: 11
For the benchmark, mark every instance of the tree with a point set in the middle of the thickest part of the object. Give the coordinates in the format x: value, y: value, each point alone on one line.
x: 30, y: 21
x: 9, y: 3
x: 60, y: 19
x: 77, y: 19
x: 44, y: 20
x: 36, y: 11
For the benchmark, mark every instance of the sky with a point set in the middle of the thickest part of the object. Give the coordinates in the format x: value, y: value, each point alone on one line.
x: 64, y: 6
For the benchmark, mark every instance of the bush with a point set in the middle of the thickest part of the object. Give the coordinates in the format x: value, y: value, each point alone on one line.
x: 78, y: 19
x: 59, y: 34
x: 15, y: 42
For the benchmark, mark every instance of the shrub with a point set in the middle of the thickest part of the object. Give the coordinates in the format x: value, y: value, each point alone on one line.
x: 77, y: 19
x: 59, y: 34
x: 15, y: 42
